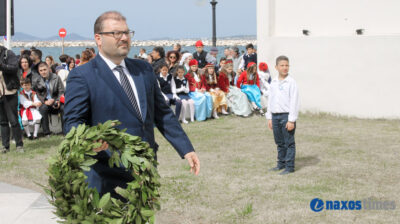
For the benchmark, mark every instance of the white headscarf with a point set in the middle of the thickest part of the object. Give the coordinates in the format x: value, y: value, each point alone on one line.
x: 184, y: 57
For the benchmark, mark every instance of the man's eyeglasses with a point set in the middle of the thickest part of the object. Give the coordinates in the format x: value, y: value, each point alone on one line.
x: 118, y: 34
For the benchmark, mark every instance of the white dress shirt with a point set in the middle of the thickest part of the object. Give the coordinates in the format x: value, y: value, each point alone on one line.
x: 112, y: 66
x: 283, y: 98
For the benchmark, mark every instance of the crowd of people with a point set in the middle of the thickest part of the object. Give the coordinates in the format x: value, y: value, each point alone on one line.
x: 199, y: 85
x: 32, y: 89
x: 202, y: 87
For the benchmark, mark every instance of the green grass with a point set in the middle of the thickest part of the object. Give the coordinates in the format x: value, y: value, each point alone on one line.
x: 337, y: 158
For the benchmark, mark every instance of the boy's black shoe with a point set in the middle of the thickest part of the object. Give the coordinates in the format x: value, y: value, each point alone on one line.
x: 286, y: 172
x: 30, y: 137
x: 276, y: 168
x: 4, y: 150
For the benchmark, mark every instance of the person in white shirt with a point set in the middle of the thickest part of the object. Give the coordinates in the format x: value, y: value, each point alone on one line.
x: 142, y: 54
x: 282, y: 113
x: 180, y: 90
x: 265, y: 80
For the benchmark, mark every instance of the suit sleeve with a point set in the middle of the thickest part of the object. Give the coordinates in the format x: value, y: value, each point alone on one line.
x: 76, y: 108
x: 168, y: 124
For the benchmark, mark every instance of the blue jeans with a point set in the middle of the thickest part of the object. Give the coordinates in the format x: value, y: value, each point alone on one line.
x: 284, y: 140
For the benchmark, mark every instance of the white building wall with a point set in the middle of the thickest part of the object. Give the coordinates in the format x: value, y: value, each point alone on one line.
x: 337, y: 17
x: 336, y: 70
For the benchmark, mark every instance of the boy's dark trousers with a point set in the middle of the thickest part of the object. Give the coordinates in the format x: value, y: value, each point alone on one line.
x: 284, y: 140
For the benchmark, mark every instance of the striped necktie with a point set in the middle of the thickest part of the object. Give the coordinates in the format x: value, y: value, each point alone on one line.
x: 128, y: 89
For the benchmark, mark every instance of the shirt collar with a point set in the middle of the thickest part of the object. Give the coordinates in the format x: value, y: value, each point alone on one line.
x: 165, y: 78
x: 111, y: 64
x: 284, y: 80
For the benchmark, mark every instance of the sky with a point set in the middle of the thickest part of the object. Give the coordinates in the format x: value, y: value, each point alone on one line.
x: 151, y: 19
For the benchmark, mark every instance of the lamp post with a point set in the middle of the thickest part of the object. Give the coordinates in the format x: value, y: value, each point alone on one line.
x: 8, y: 22
x: 214, y: 37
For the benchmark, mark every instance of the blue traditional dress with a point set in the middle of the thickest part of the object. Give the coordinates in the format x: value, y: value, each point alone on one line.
x: 251, y: 88
x: 203, y: 102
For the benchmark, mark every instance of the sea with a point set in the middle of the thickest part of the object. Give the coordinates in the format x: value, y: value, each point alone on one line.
x: 72, y: 51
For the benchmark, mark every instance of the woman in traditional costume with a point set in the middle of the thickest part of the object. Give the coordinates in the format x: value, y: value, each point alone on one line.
x: 236, y: 99
x: 202, y: 100
x: 249, y: 83
x: 218, y: 96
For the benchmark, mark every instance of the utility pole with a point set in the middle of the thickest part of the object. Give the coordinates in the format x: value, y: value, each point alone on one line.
x: 8, y: 33
x: 214, y: 37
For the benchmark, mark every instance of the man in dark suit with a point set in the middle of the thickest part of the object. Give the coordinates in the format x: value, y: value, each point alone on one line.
x: 114, y: 87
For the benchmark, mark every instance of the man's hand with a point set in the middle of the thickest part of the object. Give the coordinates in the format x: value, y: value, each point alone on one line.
x: 49, y: 102
x: 289, y: 126
x: 194, y: 162
x: 270, y: 124
x: 104, y: 146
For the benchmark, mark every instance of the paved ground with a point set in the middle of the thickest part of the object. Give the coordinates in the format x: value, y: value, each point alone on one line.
x: 19, y: 205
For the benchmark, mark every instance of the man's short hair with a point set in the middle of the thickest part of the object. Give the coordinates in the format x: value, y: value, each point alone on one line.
x: 235, y: 49
x: 38, y: 53
x: 26, y: 52
x: 249, y: 46
x: 92, y: 50
x: 98, y: 25
x: 281, y: 58
x: 160, y: 50
x: 178, y: 45
x: 41, y: 64
x: 63, y: 58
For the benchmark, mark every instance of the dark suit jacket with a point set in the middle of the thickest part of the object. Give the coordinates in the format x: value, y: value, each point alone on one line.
x: 94, y: 95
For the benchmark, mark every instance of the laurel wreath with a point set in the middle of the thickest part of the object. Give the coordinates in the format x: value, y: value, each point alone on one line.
x: 68, y: 189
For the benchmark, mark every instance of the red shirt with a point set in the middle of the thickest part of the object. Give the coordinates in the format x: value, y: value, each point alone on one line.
x: 207, y: 85
x: 223, y: 82
x: 242, y: 80
x: 193, y: 84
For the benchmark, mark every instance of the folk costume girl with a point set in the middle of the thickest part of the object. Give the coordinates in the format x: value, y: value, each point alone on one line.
x: 29, y: 113
x: 185, y: 59
x: 218, y: 96
x: 180, y: 90
x: 265, y: 80
x: 249, y: 83
x: 236, y: 99
x: 202, y: 100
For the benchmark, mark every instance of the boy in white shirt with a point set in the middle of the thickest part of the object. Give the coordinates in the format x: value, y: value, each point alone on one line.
x: 283, y: 110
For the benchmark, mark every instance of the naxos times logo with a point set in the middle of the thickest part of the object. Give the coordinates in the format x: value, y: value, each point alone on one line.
x: 318, y: 205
